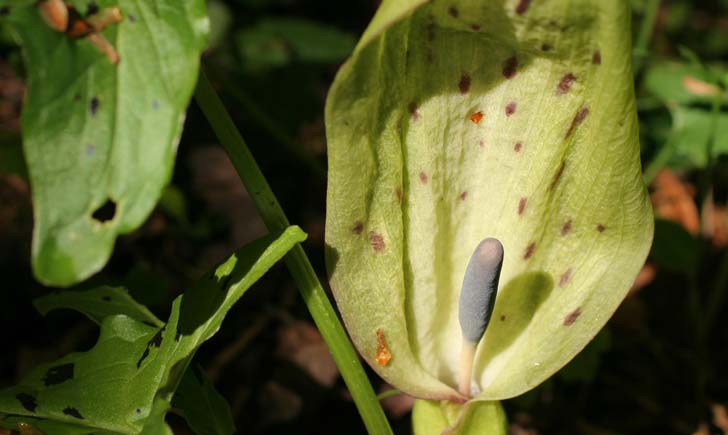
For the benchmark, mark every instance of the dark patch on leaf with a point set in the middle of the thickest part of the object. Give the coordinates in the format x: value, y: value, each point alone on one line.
x: 358, y: 228
x: 453, y: 11
x: 578, y: 118
x: 522, y: 6
x: 92, y: 8
x: 597, y: 57
x: 529, y: 250
x: 93, y: 105
x: 601, y: 228
x: 463, y: 195
x: 377, y: 241
x: 90, y: 149
x: 106, y: 212
x: 522, y: 205
x: 423, y: 177
x: 517, y: 147
x: 155, y: 341
x: 503, y: 317
x: 565, y: 83
x: 481, y: 143
x: 431, y: 32
x: 546, y: 47
x: 565, y: 277
x: 557, y: 176
x: 106, y: 298
x: 155, y: 104
x: 571, y: 317
x: 566, y: 228
x: 29, y: 402
x: 131, y: 17
x: 511, y: 108
x: 4, y: 11
x: 56, y: 375
x: 226, y: 282
x: 464, y: 84
x: 73, y: 412
x: 475, y: 27
x: 398, y: 194
x: 509, y: 67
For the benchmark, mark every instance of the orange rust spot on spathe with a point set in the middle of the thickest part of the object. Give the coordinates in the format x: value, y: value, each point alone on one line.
x: 423, y: 177
x: 601, y: 228
x: 511, y: 108
x: 565, y: 277
x: 597, y: 57
x: 358, y: 228
x: 464, y: 84
x: 566, y: 228
x: 578, y: 119
x: 571, y: 317
x: 529, y: 251
x: 565, y: 83
x: 383, y: 353
x: 476, y: 117
x: 377, y: 241
x: 522, y: 205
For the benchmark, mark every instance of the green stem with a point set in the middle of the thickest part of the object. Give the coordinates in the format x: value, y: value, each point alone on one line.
x: 647, y: 27
x: 313, y: 293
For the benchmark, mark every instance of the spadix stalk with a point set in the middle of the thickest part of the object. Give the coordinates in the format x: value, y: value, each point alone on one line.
x: 477, y: 299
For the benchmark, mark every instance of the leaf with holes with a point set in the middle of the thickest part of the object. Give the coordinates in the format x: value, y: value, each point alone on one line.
x: 458, y: 120
x: 100, y: 138
x: 125, y: 383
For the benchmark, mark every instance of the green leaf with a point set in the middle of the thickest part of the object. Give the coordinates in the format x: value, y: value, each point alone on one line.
x: 692, y: 137
x: 455, y: 121
x: 204, y: 409
x: 430, y: 417
x: 671, y: 82
x: 278, y: 41
x: 126, y: 381
x: 100, y: 139
x: 98, y: 304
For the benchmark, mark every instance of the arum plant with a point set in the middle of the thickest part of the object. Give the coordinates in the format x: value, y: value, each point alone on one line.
x: 475, y: 146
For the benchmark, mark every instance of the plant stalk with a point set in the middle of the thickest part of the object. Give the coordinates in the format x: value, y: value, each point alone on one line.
x: 300, y: 267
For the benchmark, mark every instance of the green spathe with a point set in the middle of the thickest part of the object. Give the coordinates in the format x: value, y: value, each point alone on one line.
x: 459, y: 120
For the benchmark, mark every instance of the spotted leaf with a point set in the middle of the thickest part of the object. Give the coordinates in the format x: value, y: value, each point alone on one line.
x: 457, y: 120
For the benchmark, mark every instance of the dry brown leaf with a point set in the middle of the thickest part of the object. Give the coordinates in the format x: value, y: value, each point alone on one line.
x: 703, y: 429
x: 301, y: 343
x: 699, y: 87
x: 673, y: 200
x: 720, y: 417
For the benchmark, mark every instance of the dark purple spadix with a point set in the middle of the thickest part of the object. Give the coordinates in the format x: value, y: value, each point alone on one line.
x: 480, y: 285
